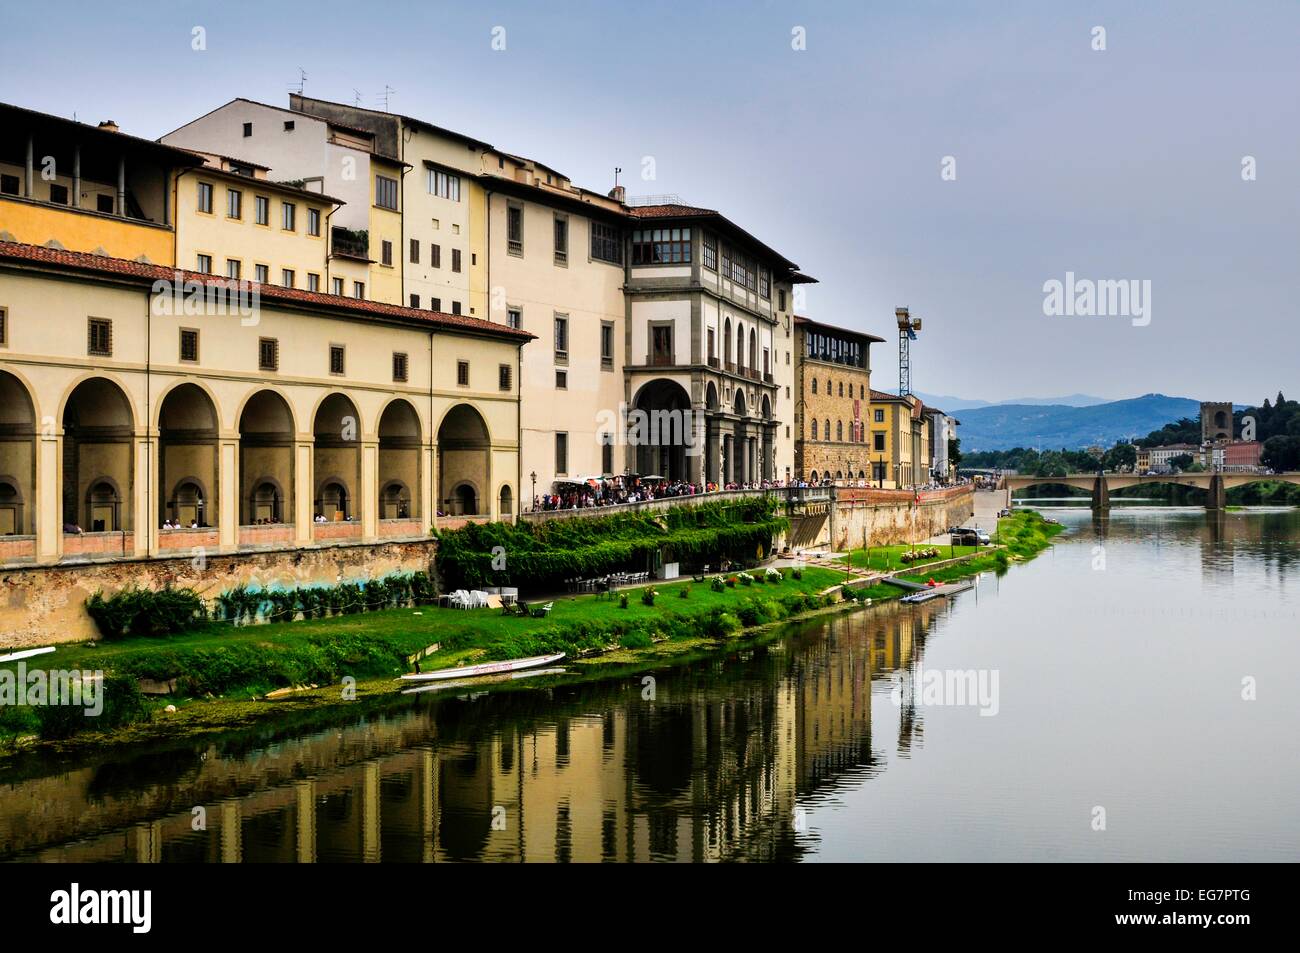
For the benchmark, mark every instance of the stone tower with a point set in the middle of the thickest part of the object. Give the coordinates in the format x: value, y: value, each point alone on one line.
x: 1216, y: 421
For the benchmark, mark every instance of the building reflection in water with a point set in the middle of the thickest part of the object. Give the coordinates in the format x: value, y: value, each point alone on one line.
x: 712, y: 768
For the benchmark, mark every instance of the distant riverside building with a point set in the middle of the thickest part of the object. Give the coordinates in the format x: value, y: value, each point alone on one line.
x: 1160, y: 457
x: 943, y: 428
x: 832, y: 410
x: 900, y: 440
x: 1242, y: 455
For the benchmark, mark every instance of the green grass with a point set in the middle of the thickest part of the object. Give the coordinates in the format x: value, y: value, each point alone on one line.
x: 887, y: 558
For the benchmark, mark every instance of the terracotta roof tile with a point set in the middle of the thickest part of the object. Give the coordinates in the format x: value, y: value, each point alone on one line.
x: 101, y: 264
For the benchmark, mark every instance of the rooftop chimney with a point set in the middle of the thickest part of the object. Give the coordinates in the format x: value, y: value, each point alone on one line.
x: 108, y: 126
x: 618, y: 194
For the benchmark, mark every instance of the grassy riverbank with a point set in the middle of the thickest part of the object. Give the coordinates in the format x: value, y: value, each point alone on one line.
x: 221, y: 671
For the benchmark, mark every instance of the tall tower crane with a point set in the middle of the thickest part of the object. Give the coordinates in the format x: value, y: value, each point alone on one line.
x: 907, y: 328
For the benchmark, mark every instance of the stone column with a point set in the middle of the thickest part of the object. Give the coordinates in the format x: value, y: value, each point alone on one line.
x: 49, y: 498
x: 304, y: 490
x: 145, y: 494
x: 493, y: 501
x: 1100, y: 494
x: 428, y: 497
x: 370, y: 489
x: 228, y: 494
x: 1217, y: 498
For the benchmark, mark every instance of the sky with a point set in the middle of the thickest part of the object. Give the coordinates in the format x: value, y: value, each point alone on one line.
x: 952, y: 157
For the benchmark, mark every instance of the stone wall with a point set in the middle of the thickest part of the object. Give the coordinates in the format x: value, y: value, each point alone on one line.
x: 45, y: 605
x: 886, y: 517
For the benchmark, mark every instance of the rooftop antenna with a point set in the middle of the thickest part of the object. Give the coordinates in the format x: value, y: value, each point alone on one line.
x: 356, y: 97
x: 302, y: 81
x: 617, y: 173
x: 388, y: 91
x: 907, y: 328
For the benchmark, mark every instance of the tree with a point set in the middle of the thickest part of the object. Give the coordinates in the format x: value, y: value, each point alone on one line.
x: 1281, y: 453
x: 1122, y: 456
x: 954, y: 451
x: 1181, y: 462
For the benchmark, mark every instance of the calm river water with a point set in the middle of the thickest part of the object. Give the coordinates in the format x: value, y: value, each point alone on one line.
x: 1119, y: 657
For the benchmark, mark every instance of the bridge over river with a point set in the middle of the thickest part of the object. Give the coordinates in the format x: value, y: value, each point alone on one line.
x: 1216, y: 485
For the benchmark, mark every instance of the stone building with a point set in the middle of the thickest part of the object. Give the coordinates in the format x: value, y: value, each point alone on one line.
x: 833, y: 384
x: 1216, y: 421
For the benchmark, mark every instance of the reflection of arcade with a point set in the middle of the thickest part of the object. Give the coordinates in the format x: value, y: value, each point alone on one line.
x: 708, y: 770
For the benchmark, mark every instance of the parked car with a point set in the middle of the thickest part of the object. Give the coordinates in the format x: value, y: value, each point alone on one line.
x: 1005, y: 511
x: 966, y: 536
x: 982, y: 537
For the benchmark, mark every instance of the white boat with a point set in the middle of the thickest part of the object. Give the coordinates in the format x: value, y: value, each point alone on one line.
x: 484, y: 668
x: 26, y: 653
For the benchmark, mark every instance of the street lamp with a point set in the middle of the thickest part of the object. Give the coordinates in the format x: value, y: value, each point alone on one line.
x: 533, y: 477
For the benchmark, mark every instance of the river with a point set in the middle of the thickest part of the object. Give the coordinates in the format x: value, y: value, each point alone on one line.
x: 1139, y: 703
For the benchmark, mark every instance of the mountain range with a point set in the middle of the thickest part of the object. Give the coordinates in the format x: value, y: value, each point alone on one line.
x: 952, y: 404
x: 1055, y: 426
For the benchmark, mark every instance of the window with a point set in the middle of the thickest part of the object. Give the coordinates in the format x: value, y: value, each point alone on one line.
x: 878, y: 441
x: 879, y: 415
x: 514, y: 318
x: 313, y: 281
x: 262, y: 273
x: 561, y: 380
x: 561, y: 336
x: 561, y: 240
x: 338, y: 363
x: 288, y: 125
x: 358, y: 289
x: 9, y: 184
x: 435, y: 256
x: 58, y: 194
x: 462, y: 373
x: 765, y: 283
x: 606, y: 453
x: 99, y: 338
x: 661, y: 246
x: 287, y: 277
x: 248, y: 129
x: 455, y: 259
x: 205, y: 197
x: 385, y: 192
x: 233, y: 266
x: 842, y: 389
x: 515, y: 229
x: 503, y: 376
x: 445, y: 185
x: 313, y: 221
x: 814, y: 428
x: 268, y: 354
x: 288, y: 216
x: 336, y: 286
x: 607, y: 344
x: 204, y: 264
x: 814, y: 382
x: 415, y: 301
x: 839, y: 430
x: 661, y: 344
x: 455, y: 307
x: 104, y: 203
x: 709, y: 258
x: 606, y: 243
x: 561, y: 453
x: 189, y: 345
x: 415, y: 251
x: 234, y: 203
x: 713, y: 353
x: 399, y: 367
x: 780, y: 300
x: 262, y: 210
x: 386, y: 253
x: 4, y: 327
x: 435, y: 304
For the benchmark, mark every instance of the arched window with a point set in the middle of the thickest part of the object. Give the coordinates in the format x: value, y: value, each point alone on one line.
x: 814, y: 385
x: 104, y: 503
x: 333, y: 502
x: 814, y: 432
x: 862, y: 392
x: 842, y: 388
x: 266, y: 504
x: 506, y: 501
x: 395, y: 501
x: 839, y: 430
x: 11, y: 507
x: 828, y: 428
x: 812, y: 477
x: 828, y: 387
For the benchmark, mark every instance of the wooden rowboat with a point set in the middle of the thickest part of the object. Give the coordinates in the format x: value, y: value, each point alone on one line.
x: 484, y: 668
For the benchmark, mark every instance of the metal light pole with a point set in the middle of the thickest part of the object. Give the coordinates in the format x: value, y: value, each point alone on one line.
x: 533, y: 477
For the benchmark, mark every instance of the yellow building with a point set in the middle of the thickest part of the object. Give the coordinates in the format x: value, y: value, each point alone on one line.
x: 900, y: 441
x: 86, y: 188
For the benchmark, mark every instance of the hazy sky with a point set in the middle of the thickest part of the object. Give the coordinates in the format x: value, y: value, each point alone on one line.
x: 1119, y: 164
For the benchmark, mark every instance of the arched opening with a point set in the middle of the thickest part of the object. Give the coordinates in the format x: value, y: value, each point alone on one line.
x: 660, y: 429
x: 337, y: 452
x: 187, y: 456
x: 726, y: 344
x: 266, y: 468
x: 395, y: 501
x: 97, y: 426
x: 839, y: 475
x: 753, y: 350
x: 712, y: 448
x: 463, y: 449
x: 812, y: 477
x: 333, y: 501
x: 17, y: 458
x: 740, y: 346
x: 187, y: 504
x: 506, y: 501
x: 399, y: 460
x: 741, y: 463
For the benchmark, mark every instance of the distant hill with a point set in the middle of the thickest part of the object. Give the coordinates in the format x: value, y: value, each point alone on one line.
x: 953, y: 404
x: 1053, y: 426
